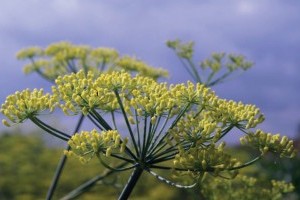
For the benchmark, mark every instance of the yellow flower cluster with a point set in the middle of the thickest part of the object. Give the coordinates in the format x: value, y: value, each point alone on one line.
x: 29, y: 53
x: 133, y: 65
x: 212, y: 117
x: 199, y: 130
x: 197, y: 117
x: 26, y: 104
x: 196, y: 129
x: 194, y: 94
x: 38, y: 65
x: 78, y: 94
x: 221, y: 111
x: 57, y: 47
x: 116, y: 81
x: 205, y: 159
x: 87, y: 144
x: 103, y: 55
x: 142, y: 94
x: 57, y: 59
x: 63, y: 58
x: 81, y: 93
x: 242, y: 115
x: 150, y: 98
x: 267, y: 142
x: 64, y: 51
x: 91, y: 57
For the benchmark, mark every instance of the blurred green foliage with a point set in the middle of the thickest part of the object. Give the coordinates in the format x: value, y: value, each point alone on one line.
x: 282, y: 169
x: 27, y: 165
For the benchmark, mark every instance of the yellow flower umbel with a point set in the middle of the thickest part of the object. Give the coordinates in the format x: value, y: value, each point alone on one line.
x: 29, y: 104
x: 178, y: 127
x: 268, y: 142
x: 86, y: 144
x: 184, y: 122
x: 133, y: 65
x: 81, y: 94
x: 235, y: 113
x: 200, y: 160
x: 78, y: 93
x: 30, y: 53
x: 64, y: 58
x: 26, y: 104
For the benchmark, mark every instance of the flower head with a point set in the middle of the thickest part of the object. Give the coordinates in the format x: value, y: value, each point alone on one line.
x: 80, y: 93
x: 29, y: 53
x: 133, y: 65
x: 203, y: 159
x: 268, y: 142
x: 64, y: 57
x: 87, y: 144
x: 26, y: 104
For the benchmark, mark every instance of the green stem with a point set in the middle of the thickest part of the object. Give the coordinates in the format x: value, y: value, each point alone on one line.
x: 160, y: 132
x: 114, y: 120
x: 144, y: 138
x: 100, y: 119
x: 161, y: 144
x: 138, y: 131
x: 152, y: 133
x: 45, y: 128
x: 61, y: 165
x: 95, y: 122
x: 50, y: 127
x: 218, y: 79
x: 102, y: 66
x: 224, y: 132
x: 127, y: 122
x: 186, y: 68
x: 40, y: 72
x: 247, y: 163
x: 198, y: 79
x: 136, y: 174
x: 89, y: 184
x: 148, y: 140
x: 112, y: 168
x: 210, y: 77
x: 71, y: 65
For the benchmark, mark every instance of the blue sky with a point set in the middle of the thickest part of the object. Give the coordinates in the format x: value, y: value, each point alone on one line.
x: 266, y: 32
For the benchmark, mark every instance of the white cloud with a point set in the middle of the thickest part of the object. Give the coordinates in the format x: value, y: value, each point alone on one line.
x: 246, y: 7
